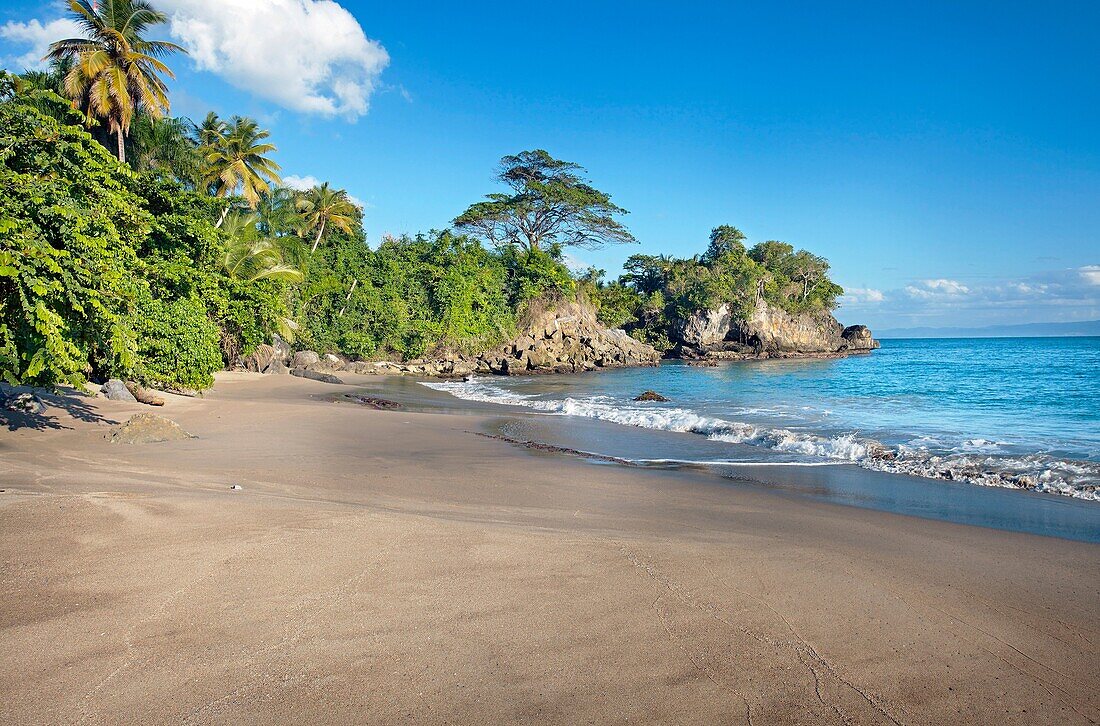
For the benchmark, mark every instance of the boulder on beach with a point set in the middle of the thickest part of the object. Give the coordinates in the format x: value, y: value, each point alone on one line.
x: 650, y: 396
x: 315, y: 375
x: 116, y: 390
x: 304, y: 359
x: 147, y: 428
x: 27, y: 403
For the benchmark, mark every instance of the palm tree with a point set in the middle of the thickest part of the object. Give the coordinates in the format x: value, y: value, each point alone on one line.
x: 323, y: 206
x: 249, y: 257
x: 165, y: 146
x: 276, y: 213
x: 115, y: 71
x: 235, y: 159
x: 211, y: 130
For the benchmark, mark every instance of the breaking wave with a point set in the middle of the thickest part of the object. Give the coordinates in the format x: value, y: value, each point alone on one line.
x: 975, y: 461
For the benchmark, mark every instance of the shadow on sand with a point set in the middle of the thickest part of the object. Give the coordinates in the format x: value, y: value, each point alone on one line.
x: 67, y: 400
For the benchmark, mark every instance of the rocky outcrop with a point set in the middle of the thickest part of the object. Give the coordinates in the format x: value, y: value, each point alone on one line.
x: 768, y: 330
x: 565, y: 339
x: 859, y: 337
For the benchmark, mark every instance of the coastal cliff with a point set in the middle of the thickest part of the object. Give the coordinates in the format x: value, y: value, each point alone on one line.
x: 767, y: 330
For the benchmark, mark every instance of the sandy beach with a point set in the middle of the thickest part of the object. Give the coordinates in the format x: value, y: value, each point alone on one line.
x: 392, y: 566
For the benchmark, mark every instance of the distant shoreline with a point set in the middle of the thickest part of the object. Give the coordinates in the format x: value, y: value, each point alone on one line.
x: 1081, y: 329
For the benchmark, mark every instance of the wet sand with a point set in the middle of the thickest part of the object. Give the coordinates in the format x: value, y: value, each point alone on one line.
x: 382, y: 566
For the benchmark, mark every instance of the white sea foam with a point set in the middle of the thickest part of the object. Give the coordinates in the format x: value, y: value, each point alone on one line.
x: 975, y: 461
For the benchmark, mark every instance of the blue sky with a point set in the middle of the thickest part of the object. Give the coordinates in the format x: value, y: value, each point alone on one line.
x: 943, y: 156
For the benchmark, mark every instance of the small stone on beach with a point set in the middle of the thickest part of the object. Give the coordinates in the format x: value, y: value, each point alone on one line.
x: 650, y: 396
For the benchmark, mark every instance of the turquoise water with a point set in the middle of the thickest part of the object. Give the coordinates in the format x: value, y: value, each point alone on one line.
x: 1013, y: 412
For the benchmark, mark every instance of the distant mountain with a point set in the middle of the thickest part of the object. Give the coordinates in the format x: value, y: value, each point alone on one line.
x: 1028, y: 330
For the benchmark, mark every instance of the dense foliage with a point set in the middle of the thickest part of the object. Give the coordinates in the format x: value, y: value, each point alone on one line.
x: 174, y: 265
x: 415, y: 295
x: 107, y: 272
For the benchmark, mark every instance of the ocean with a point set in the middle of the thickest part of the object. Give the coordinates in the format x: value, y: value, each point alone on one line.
x: 1017, y: 413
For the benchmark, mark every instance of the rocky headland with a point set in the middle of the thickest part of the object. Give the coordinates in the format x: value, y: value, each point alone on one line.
x: 767, y: 332
x: 568, y: 338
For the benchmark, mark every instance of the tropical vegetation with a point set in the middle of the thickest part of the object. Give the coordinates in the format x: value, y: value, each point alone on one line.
x: 143, y: 246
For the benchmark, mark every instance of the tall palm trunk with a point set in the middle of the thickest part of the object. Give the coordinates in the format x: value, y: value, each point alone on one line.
x: 317, y: 241
x: 121, y: 145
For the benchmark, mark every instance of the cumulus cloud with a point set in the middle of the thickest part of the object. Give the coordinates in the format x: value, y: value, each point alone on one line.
x: 1049, y: 296
x: 862, y: 295
x: 931, y: 289
x: 38, y: 36
x: 300, y: 183
x: 305, y: 55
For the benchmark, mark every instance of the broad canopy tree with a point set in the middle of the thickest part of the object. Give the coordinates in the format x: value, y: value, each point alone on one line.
x: 550, y: 203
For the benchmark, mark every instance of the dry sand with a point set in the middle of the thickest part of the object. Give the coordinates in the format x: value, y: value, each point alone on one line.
x: 384, y: 566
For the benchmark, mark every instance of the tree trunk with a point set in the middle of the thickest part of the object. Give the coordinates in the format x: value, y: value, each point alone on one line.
x: 318, y: 240
x: 121, y: 145
x: 348, y: 298
x: 221, y: 219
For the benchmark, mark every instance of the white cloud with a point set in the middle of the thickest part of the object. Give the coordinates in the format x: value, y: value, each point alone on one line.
x: 857, y: 295
x: 38, y: 36
x: 948, y: 286
x: 937, y: 289
x: 1090, y: 274
x: 302, y: 183
x: 305, y: 55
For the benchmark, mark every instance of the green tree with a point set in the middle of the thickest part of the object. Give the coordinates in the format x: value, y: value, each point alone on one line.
x: 550, y: 203
x: 115, y: 71
x: 322, y: 208
x: 236, y: 159
x: 725, y: 241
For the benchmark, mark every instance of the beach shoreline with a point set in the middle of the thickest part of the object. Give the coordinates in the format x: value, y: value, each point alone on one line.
x: 379, y: 565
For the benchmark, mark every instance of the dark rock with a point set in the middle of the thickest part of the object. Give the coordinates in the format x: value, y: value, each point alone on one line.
x: 25, y: 403
x: 858, y: 337
x: 650, y: 396
x: 147, y: 428
x: 116, y: 390
x: 315, y: 375
x: 380, y: 404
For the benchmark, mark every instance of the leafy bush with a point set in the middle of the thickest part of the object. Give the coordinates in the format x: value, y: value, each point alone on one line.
x: 177, y: 344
